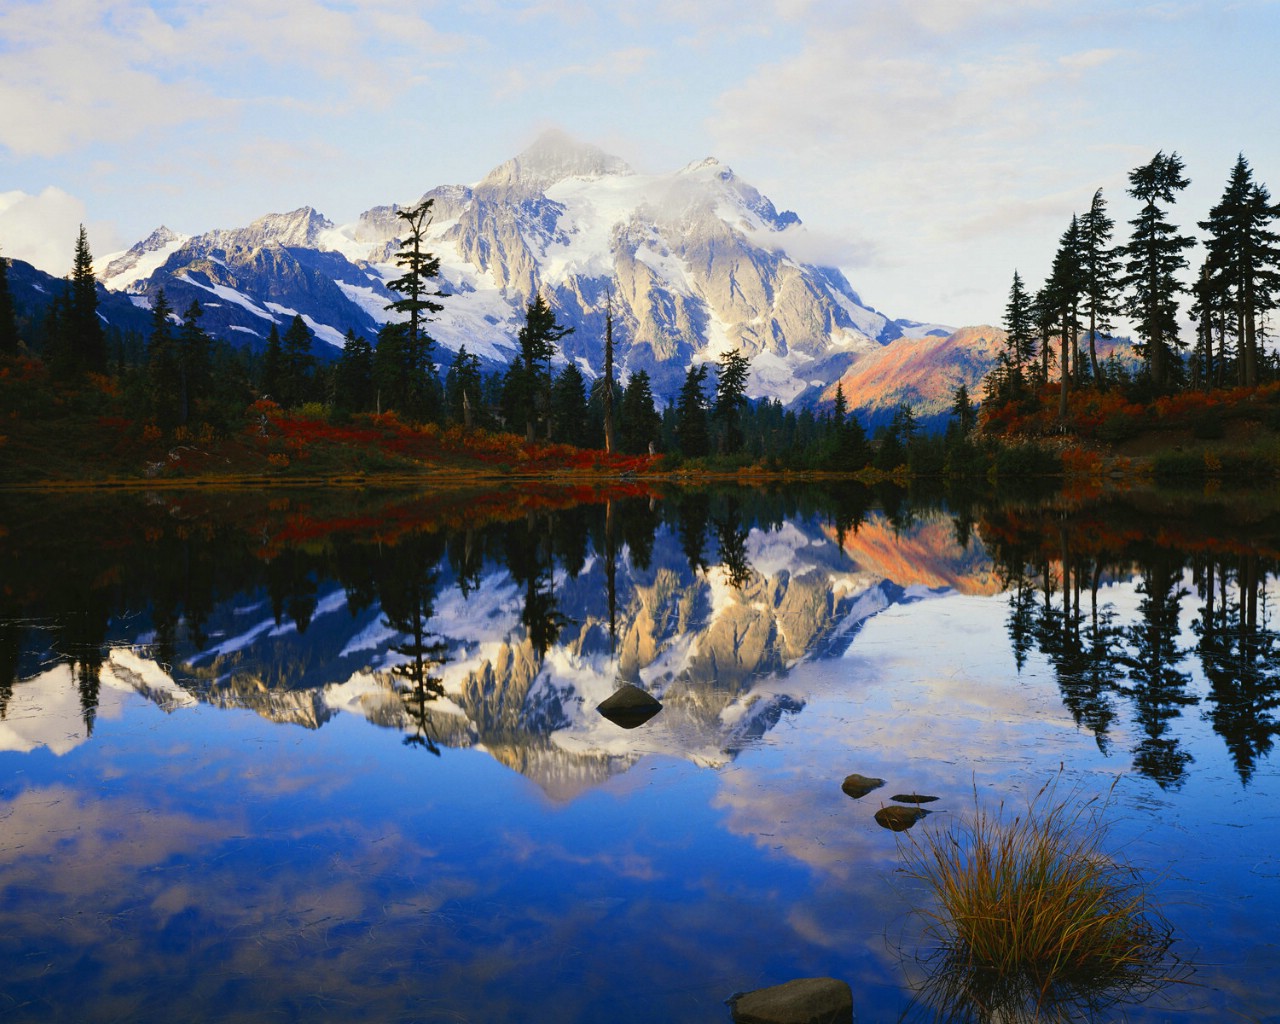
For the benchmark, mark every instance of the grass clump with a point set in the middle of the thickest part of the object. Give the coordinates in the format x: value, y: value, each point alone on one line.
x: 1030, y: 918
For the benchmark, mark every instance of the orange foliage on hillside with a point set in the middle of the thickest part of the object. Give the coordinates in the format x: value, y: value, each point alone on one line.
x: 431, y: 446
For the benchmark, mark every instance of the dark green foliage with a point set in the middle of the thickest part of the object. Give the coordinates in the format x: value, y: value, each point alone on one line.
x: 401, y: 382
x: 463, y: 387
x: 569, y: 407
x: 1241, y: 274
x: 846, y: 449
x: 8, y: 317
x: 1022, y: 461
x: 86, y: 349
x: 640, y: 419
x: 297, y: 365
x: 1100, y: 265
x: 353, y: 376
x: 269, y: 380
x: 529, y: 381
x: 895, y: 439
x: 414, y: 360
x: 1065, y: 287
x: 1154, y: 256
x: 691, y: 433
x: 194, y: 369
x: 163, y: 372
x: 731, y: 389
x: 1019, y: 324
x: 965, y: 415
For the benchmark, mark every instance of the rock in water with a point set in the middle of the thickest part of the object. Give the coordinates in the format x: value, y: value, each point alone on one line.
x: 912, y: 798
x: 858, y: 786
x: 899, y: 819
x: 629, y: 707
x: 803, y: 1001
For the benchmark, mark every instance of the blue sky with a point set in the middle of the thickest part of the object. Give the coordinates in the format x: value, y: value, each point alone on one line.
x: 931, y: 146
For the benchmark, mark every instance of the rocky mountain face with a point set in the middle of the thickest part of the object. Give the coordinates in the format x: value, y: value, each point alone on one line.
x: 925, y: 372
x: 690, y: 264
x: 33, y: 290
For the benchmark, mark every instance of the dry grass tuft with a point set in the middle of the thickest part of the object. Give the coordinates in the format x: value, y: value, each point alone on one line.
x: 1031, y: 919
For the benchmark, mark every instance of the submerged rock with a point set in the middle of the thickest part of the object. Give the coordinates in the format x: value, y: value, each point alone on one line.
x: 858, y: 786
x: 629, y: 707
x: 803, y: 1001
x: 912, y: 798
x: 899, y: 819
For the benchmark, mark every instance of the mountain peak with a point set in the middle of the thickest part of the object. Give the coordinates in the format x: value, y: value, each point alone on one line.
x: 555, y: 156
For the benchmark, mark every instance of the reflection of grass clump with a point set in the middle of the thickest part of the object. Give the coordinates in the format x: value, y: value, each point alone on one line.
x: 1031, y: 920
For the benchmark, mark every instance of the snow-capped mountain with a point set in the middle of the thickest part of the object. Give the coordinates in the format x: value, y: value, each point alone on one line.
x: 691, y: 263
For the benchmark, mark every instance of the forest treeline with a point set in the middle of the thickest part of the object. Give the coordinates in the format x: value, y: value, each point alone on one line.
x: 177, y: 381
x: 1094, y: 280
x: 83, y: 571
x: 1049, y: 379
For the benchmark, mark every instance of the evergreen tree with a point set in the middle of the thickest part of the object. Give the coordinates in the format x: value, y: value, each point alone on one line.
x: 353, y: 376
x: 1212, y: 310
x: 691, y: 414
x: 194, y: 368
x: 1019, y: 325
x: 164, y: 375
x: 569, y: 406
x: 272, y: 376
x: 417, y: 302
x: 297, y: 364
x: 1066, y: 284
x: 56, y: 346
x: 964, y: 413
x: 1044, y: 312
x: 463, y: 387
x: 1153, y: 258
x: 390, y: 381
x: 538, y: 338
x: 731, y: 387
x: 1100, y: 266
x: 1243, y: 260
x: 841, y: 409
x: 84, y: 329
x: 607, y: 385
x: 850, y: 451
x: 640, y: 419
x: 8, y: 318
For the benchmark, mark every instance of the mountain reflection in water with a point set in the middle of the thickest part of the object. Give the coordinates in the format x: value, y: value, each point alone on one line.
x: 859, y: 622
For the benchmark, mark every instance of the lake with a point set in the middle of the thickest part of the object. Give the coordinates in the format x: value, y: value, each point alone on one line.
x: 336, y: 756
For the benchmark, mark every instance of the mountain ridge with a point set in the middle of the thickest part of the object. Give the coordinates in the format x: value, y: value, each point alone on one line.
x: 691, y: 263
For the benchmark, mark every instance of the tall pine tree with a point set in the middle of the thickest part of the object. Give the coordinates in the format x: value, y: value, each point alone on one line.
x: 1154, y: 256
x: 1019, y: 326
x: 8, y: 318
x: 420, y: 268
x: 84, y: 328
x: 691, y: 414
x: 1100, y: 266
x: 1243, y: 260
x: 731, y: 396
x: 538, y: 339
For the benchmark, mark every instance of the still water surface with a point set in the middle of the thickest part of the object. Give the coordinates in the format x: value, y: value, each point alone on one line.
x: 229, y: 790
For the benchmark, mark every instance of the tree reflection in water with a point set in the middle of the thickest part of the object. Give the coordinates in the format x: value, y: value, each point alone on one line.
x: 171, y: 570
x: 407, y: 589
x: 1099, y: 660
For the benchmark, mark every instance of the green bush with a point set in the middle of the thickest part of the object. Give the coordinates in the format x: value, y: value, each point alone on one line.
x: 1026, y: 460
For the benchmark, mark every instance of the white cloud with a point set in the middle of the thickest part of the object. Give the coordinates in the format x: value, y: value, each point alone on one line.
x: 41, y: 229
x: 82, y: 71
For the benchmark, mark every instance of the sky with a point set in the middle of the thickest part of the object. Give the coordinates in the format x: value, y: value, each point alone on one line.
x: 932, y: 147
